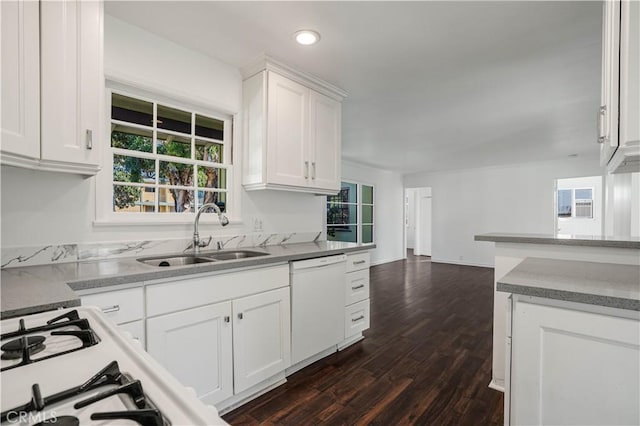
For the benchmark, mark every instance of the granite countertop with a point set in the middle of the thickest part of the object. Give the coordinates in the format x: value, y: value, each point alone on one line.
x: 560, y: 239
x: 604, y: 284
x: 31, y: 289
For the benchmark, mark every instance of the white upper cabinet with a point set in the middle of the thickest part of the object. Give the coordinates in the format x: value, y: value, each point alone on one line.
x: 618, y: 124
x: 72, y: 83
x: 20, y: 79
x: 287, y: 131
x: 292, y: 130
x: 52, y: 63
x: 324, y: 141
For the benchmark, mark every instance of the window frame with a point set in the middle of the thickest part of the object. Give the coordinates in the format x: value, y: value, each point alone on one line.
x: 574, y: 201
x: 359, y: 204
x: 105, y: 215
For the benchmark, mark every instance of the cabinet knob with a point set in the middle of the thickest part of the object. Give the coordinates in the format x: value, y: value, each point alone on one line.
x: 306, y: 170
x: 361, y: 317
x: 240, y: 316
x: 226, y: 318
x: 313, y: 170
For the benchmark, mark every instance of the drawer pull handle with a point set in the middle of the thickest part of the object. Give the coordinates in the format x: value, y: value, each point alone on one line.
x: 114, y: 308
x: 226, y: 318
x: 357, y: 287
x: 361, y: 317
x: 359, y: 262
x: 240, y: 316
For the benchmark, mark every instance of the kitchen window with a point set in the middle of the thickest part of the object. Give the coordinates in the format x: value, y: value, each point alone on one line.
x: 350, y: 214
x: 165, y: 159
x: 576, y: 203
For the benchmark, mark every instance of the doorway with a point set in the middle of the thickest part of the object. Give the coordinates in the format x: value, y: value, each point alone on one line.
x: 417, y: 221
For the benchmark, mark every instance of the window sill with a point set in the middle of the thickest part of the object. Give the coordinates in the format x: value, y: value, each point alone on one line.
x: 177, y: 222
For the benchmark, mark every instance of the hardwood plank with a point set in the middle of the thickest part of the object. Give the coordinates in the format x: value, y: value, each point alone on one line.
x: 425, y: 360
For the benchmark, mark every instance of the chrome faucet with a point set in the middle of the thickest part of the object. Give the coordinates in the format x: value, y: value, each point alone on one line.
x: 224, y: 221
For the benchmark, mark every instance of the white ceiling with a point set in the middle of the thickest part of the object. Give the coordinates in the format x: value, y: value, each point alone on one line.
x: 432, y: 85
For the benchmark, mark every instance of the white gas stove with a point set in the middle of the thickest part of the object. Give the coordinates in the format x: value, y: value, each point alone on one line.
x: 73, y: 366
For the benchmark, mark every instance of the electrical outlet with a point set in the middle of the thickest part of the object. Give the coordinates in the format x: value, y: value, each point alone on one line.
x: 257, y: 225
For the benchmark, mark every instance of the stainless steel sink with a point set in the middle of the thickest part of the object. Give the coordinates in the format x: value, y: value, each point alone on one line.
x: 232, y: 254
x: 192, y: 259
x: 167, y: 261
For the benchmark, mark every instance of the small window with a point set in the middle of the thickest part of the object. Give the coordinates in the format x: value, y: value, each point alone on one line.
x: 576, y: 203
x: 350, y: 214
x: 167, y: 159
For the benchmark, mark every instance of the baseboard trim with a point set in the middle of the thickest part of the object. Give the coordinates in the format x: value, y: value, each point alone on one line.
x: 380, y: 262
x: 495, y: 386
x: 462, y: 263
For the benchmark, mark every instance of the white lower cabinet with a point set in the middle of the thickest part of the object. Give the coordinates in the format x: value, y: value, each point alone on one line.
x: 136, y: 330
x: 570, y: 366
x: 356, y: 290
x: 261, y: 337
x: 196, y: 347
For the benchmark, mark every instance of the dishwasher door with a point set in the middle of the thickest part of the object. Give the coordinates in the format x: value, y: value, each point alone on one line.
x: 317, y: 305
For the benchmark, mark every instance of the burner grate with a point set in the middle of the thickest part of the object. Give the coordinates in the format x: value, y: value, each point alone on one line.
x: 146, y: 414
x: 26, y: 350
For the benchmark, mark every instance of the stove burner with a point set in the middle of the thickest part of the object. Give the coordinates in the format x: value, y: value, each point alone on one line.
x: 61, y: 421
x: 15, y: 348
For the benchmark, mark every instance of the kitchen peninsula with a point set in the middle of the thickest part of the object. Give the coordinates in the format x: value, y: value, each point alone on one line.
x: 512, y: 249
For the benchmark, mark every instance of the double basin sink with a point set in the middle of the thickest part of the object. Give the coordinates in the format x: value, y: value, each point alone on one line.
x: 192, y: 259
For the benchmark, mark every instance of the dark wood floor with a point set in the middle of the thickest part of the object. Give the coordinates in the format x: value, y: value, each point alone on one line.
x: 426, y: 359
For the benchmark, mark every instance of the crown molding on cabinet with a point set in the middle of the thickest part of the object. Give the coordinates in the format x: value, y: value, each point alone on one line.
x: 265, y: 62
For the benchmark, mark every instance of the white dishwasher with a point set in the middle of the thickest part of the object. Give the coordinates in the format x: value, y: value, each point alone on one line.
x: 317, y: 305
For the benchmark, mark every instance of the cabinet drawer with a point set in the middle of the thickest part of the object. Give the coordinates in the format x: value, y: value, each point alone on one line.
x: 358, y: 261
x: 356, y: 286
x: 119, y: 306
x: 356, y: 318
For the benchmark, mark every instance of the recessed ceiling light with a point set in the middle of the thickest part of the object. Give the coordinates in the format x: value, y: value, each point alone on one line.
x: 307, y: 37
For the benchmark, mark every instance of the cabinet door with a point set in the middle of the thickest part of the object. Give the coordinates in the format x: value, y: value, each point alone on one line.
x: 630, y: 74
x: 71, y: 81
x: 573, y: 367
x: 287, y: 132
x: 608, y: 113
x: 20, y: 78
x: 196, y: 347
x: 261, y: 337
x: 324, y: 141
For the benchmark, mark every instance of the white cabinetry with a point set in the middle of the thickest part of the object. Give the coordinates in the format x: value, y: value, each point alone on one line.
x: 357, y: 314
x: 20, y: 79
x: 124, y: 307
x: 618, y: 124
x: 222, y: 333
x: 52, y: 67
x: 573, y: 364
x: 261, y: 337
x: 195, y: 345
x: 292, y: 127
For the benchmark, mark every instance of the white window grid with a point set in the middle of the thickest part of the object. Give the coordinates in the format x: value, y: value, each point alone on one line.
x: 157, y: 158
x: 359, y: 204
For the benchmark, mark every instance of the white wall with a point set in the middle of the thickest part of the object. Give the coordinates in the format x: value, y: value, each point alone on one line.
x: 49, y: 208
x: 388, y: 214
x: 583, y: 226
x: 518, y: 198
